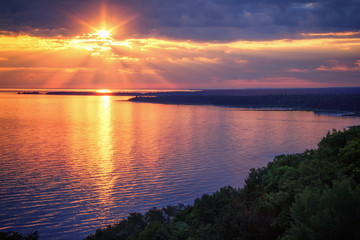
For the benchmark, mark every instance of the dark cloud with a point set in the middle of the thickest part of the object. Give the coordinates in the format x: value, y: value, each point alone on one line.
x: 50, y: 17
x: 189, y: 19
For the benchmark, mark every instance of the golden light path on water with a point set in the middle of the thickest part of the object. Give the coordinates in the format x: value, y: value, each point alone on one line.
x: 106, y: 149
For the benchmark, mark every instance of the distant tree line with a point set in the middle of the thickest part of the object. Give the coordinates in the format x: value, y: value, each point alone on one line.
x: 311, y: 195
x: 328, y: 102
x: 10, y: 235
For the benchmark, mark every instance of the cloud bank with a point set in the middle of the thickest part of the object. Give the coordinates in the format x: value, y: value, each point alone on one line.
x: 179, y: 44
x: 188, y: 19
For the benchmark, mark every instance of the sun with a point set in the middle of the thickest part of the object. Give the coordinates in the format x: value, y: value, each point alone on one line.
x: 103, y: 91
x: 104, y: 33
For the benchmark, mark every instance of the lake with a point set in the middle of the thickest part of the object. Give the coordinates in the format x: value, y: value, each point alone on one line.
x: 71, y: 164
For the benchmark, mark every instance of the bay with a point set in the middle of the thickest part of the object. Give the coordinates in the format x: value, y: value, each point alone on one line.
x: 71, y: 164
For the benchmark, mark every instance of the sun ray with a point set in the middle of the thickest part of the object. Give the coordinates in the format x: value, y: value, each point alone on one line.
x: 103, y: 14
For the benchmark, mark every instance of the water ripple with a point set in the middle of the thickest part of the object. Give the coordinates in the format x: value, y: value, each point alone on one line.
x: 78, y: 163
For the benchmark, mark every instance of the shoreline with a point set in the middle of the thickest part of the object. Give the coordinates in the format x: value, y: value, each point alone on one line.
x: 345, y: 103
x: 340, y: 107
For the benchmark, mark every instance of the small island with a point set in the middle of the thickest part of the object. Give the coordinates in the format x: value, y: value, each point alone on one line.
x: 31, y: 92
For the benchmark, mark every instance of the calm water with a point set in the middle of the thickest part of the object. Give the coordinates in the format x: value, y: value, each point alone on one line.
x: 70, y: 164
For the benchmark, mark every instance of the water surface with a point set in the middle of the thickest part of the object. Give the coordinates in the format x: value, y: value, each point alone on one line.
x: 70, y: 164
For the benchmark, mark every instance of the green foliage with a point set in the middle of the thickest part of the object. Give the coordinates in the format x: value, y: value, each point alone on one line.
x: 332, y: 214
x: 349, y: 157
x: 139, y: 226
x: 154, y: 231
x: 18, y: 236
x: 179, y: 231
x: 312, y: 195
x: 213, y: 216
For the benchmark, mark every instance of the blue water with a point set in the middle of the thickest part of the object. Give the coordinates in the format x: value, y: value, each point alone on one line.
x: 71, y: 164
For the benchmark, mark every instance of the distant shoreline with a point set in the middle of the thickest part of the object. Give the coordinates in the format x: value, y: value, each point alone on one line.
x: 338, y: 101
x: 340, y: 104
x: 248, y: 92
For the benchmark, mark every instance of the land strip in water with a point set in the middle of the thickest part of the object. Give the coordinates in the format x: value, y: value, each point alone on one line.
x: 341, y: 101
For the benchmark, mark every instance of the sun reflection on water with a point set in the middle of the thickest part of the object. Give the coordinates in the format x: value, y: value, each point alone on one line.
x: 105, y: 129
x: 94, y: 168
x: 105, y: 179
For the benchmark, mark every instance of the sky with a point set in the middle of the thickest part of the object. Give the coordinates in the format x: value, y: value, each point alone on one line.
x: 171, y: 44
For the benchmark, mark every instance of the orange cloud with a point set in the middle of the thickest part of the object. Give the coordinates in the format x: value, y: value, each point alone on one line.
x: 93, y: 43
x: 241, y: 61
x: 335, y: 66
x: 91, y: 61
x: 297, y: 70
x: 336, y: 34
x: 38, y: 69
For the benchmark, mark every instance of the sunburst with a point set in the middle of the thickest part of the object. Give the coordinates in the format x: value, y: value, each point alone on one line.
x: 103, y: 33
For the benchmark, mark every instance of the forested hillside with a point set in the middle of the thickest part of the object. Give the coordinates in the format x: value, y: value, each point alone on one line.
x: 316, y: 102
x: 310, y: 195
